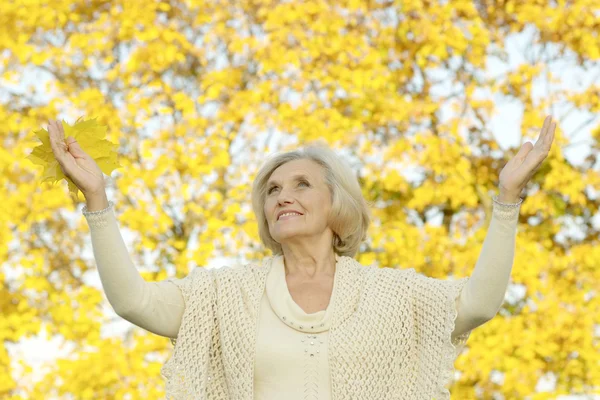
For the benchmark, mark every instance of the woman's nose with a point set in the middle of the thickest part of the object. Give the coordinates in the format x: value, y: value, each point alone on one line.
x: 283, y: 197
x: 283, y: 200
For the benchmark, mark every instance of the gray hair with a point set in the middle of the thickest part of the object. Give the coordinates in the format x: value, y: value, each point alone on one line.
x: 350, y: 215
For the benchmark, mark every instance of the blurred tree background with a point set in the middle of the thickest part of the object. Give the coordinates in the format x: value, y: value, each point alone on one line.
x: 197, y: 93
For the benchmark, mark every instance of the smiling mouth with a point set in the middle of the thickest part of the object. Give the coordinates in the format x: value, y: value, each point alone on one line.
x: 284, y: 217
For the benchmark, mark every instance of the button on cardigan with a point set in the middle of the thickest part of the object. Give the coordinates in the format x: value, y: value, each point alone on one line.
x: 390, y: 335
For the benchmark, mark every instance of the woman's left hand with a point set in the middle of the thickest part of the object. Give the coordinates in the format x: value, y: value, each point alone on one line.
x: 519, y: 170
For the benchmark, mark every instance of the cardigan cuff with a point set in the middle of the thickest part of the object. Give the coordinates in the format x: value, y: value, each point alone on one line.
x: 98, y: 219
x: 505, y: 211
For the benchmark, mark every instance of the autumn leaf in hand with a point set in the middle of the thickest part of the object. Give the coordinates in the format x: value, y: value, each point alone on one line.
x: 91, y: 138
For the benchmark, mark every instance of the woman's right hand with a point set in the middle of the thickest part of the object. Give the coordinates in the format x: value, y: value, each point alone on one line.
x: 75, y: 163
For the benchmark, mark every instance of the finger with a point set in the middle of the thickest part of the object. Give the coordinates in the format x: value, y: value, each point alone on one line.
x: 551, y: 134
x: 59, y: 147
x: 74, y: 148
x: 52, y: 133
x: 542, y: 146
x: 60, y: 130
x: 548, y: 139
x: 544, y: 130
x: 524, y: 150
x: 52, y: 136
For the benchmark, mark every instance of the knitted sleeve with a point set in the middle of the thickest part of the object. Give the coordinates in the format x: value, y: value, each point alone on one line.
x: 435, y: 312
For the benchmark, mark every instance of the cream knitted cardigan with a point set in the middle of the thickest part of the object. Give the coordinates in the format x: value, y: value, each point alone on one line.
x: 390, y: 335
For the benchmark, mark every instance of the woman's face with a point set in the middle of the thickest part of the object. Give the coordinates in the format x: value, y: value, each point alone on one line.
x: 298, y: 186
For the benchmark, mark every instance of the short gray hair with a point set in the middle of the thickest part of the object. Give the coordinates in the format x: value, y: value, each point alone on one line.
x: 350, y: 214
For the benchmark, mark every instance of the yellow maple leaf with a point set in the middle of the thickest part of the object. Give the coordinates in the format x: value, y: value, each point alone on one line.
x: 90, y: 136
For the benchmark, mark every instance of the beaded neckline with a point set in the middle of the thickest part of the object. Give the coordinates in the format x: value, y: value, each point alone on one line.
x: 285, y: 307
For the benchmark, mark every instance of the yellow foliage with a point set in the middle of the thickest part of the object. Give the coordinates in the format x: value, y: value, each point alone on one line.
x: 198, y: 93
x: 90, y: 136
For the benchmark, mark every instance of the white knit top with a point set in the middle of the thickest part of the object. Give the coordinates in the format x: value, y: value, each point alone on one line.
x: 291, y: 348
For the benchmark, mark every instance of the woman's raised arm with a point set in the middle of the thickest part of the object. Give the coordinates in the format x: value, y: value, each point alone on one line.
x: 155, y: 306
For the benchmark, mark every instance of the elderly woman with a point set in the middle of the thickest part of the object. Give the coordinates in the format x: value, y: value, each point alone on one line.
x: 309, y: 322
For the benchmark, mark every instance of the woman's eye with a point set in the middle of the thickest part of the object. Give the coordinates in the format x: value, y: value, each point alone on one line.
x: 275, y: 187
